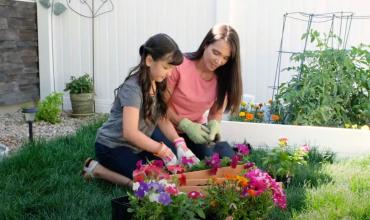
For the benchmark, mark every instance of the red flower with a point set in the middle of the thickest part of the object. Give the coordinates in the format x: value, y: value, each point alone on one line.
x: 176, y: 169
x: 195, y: 195
x: 235, y: 160
x: 172, y: 190
x: 182, y: 180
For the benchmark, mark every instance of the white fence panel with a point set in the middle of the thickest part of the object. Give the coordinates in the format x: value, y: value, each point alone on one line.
x: 119, y: 33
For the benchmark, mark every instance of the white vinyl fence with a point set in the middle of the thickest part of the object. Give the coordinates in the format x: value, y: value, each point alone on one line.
x: 107, y: 46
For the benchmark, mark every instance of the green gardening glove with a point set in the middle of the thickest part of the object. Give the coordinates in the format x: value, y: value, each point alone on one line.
x: 196, y: 132
x: 214, y: 129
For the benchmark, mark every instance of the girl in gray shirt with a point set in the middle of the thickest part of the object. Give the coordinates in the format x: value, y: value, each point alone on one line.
x: 139, y: 107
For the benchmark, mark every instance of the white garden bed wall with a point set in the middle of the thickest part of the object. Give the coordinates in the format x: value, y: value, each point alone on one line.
x: 344, y: 142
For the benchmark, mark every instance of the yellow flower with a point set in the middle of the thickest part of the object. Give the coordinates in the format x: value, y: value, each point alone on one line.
x: 242, y: 181
x: 242, y: 114
x: 365, y: 127
x: 243, y: 103
x: 354, y: 126
x: 283, y: 142
x: 347, y: 125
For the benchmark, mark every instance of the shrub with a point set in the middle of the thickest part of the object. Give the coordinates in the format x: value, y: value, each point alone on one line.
x: 50, y: 108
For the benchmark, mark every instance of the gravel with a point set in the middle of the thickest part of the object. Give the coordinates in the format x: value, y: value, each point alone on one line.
x: 14, y: 130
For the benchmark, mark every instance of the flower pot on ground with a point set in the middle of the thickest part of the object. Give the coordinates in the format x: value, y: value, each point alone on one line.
x: 81, y: 90
x: 119, y: 208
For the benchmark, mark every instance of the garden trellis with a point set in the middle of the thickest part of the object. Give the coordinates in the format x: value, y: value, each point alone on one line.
x: 332, y: 25
x: 340, y: 24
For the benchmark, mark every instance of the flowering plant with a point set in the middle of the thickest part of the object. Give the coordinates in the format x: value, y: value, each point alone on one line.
x: 155, y: 195
x: 259, y: 112
x: 246, y: 195
x: 282, y: 161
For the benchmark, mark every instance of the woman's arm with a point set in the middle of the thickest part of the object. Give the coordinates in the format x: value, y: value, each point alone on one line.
x: 132, y: 133
x: 171, y: 114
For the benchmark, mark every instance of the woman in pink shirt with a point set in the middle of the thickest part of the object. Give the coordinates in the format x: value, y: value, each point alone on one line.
x: 208, y: 79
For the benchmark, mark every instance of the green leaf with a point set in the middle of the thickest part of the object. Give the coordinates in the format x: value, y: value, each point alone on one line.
x: 200, y: 213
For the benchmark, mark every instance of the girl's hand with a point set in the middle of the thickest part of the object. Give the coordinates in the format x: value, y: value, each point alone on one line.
x: 184, y: 152
x: 166, y: 154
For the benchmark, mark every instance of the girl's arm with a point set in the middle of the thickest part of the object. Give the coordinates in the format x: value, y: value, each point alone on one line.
x: 132, y: 133
x: 167, y: 129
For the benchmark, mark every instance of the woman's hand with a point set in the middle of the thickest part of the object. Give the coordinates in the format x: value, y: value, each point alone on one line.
x: 196, y: 132
x: 214, y: 129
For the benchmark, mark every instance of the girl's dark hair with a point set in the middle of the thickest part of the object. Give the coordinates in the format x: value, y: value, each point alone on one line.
x: 160, y: 47
x: 229, y: 80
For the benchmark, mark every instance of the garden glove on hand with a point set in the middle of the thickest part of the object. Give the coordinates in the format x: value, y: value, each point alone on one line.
x: 214, y: 130
x: 196, y: 132
x: 166, y: 154
x: 185, y: 155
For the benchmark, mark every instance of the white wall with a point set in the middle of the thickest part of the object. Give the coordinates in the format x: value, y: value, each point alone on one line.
x: 119, y: 34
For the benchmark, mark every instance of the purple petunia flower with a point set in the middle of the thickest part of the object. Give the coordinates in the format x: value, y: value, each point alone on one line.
x: 143, y: 188
x: 164, y: 198
x: 156, y: 186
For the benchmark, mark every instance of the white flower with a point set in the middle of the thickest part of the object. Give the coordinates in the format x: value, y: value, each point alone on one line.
x: 163, y: 182
x: 153, y: 197
x: 135, y: 186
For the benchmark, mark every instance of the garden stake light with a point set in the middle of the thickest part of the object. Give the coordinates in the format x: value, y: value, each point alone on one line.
x: 29, y: 116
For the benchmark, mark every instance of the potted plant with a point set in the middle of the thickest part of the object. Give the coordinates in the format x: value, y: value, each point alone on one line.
x: 81, y: 90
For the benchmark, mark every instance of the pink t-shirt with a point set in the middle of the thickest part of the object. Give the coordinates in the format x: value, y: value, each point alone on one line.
x: 192, y: 96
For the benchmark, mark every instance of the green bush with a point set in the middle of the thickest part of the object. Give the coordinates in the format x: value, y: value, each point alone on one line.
x: 332, y: 88
x: 50, y: 108
x: 82, y: 84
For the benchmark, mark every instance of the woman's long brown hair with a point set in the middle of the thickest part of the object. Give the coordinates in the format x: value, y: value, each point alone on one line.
x: 229, y: 80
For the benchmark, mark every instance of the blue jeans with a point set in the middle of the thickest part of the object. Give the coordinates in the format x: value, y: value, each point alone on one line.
x: 121, y: 159
x: 200, y: 150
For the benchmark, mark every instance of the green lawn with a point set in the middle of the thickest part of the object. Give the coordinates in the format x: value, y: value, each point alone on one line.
x: 42, y: 181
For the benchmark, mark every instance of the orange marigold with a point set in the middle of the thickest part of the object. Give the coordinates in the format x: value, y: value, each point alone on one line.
x: 249, y: 117
x: 275, y: 117
x: 252, y: 192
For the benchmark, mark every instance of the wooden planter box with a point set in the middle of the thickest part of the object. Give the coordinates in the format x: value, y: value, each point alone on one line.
x: 344, y: 142
x: 199, y: 180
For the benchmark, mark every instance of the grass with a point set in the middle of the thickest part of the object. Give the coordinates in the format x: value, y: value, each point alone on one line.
x: 42, y: 181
